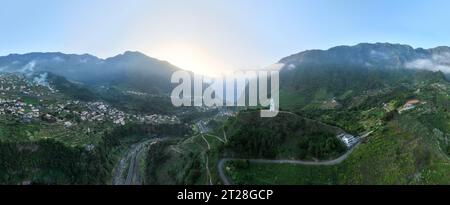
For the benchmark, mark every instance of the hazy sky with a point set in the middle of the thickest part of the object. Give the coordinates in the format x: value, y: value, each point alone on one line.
x: 211, y: 36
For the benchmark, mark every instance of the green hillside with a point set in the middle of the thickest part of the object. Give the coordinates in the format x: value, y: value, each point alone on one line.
x: 394, y: 155
x: 408, y: 146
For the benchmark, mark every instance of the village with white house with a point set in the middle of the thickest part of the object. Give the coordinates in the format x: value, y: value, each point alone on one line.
x: 29, y: 100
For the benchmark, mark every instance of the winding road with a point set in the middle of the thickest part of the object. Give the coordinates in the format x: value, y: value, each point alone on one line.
x: 227, y: 181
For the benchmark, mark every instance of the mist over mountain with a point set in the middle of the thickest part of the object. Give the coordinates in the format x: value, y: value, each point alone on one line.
x: 343, y: 66
x: 131, y: 70
x: 343, y: 72
x: 378, y: 55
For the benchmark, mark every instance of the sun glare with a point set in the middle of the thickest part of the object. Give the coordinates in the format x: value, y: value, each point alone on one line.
x: 193, y: 58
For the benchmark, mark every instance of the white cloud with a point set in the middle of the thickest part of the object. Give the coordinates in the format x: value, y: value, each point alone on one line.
x: 379, y: 54
x: 58, y: 59
x: 438, y: 62
x: 41, y: 80
x: 28, y: 68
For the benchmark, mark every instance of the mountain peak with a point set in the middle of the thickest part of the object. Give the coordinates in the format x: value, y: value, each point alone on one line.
x: 131, y: 56
x: 133, y: 53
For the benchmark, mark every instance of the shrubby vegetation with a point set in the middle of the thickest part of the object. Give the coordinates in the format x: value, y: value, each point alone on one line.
x: 155, y: 157
x: 48, y: 161
x: 394, y: 155
x: 411, y: 147
x: 135, y: 103
x: 164, y: 166
x: 285, y: 136
x: 71, y: 90
x: 51, y: 162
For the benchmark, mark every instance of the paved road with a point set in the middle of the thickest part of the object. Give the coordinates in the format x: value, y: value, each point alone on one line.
x: 208, y: 173
x: 338, y: 160
x: 201, y: 127
x: 127, y: 171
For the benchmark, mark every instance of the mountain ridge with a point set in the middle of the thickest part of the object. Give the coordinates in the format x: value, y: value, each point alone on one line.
x: 131, y: 69
x: 380, y: 55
